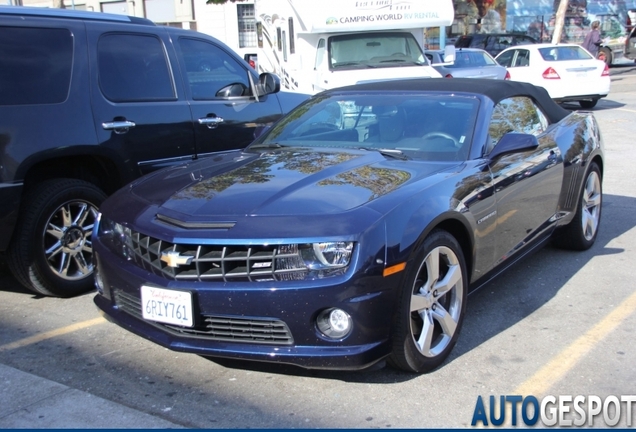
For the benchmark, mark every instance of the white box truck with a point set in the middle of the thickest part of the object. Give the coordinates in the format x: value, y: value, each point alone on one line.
x: 314, y: 45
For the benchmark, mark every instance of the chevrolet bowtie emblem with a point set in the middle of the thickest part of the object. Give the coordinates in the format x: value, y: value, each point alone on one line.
x: 175, y: 259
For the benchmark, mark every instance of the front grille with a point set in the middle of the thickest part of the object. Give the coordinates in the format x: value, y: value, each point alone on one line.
x: 222, y: 263
x: 217, y: 327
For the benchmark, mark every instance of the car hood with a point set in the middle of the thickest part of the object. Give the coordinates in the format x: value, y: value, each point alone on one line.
x: 280, y: 182
x: 341, y: 78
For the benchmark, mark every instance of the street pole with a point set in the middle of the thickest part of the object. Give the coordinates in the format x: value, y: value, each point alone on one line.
x: 559, y: 21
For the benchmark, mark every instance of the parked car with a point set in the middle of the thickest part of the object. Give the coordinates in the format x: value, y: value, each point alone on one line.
x: 90, y: 101
x: 567, y: 71
x: 468, y: 63
x: 493, y: 43
x: 335, y: 245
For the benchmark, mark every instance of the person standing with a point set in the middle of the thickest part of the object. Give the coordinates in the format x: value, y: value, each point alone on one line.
x: 593, y: 39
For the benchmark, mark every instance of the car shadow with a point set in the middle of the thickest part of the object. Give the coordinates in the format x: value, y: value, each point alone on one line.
x: 9, y: 284
x: 516, y: 292
x: 603, y: 104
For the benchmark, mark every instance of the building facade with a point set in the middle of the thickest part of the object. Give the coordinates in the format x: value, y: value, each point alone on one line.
x: 234, y: 22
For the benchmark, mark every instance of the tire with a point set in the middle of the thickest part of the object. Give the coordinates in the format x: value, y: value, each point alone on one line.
x: 580, y: 234
x: 51, y: 252
x: 605, y: 54
x: 422, y: 339
x: 588, y: 104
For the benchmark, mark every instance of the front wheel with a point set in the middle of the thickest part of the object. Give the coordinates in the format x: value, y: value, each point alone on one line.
x: 580, y: 233
x: 432, y: 305
x: 51, y: 252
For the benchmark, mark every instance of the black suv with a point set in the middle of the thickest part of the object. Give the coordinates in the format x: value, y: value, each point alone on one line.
x: 89, y: 102
x: 493, y: 43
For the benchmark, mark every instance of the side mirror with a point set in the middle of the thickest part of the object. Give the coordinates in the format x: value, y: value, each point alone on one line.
x: 512, y: 143
x: 232, y: 90
x: 268, y: 84
x: 449, y: 54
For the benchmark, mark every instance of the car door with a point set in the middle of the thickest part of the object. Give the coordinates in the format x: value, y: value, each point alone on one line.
x: 139, y: 111
x: 521, y: 67
x: 527, y: 184
x: 225, y: 113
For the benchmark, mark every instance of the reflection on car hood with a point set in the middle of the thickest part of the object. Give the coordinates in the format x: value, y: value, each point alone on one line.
x: 281, y: 182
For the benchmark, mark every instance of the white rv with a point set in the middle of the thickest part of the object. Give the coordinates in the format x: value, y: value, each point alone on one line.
x: 315, y: 45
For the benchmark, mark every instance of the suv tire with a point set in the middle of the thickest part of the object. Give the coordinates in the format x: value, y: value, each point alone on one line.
x: 51, y: 252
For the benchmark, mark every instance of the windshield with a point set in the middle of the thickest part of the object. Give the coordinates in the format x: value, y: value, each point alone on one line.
x: 433, y: 127
x: 371, y: 50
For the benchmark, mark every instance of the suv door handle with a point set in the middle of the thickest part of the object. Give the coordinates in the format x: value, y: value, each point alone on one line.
x: 119, y: 127
x: 211, y: 122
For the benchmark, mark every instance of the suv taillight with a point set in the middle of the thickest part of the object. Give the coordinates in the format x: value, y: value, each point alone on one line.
x: 551, y: 74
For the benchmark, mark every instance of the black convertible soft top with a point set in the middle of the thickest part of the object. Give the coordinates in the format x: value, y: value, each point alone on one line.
x: 496, y: 90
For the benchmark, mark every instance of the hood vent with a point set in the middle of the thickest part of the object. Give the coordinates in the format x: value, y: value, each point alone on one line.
x: 195, y: 225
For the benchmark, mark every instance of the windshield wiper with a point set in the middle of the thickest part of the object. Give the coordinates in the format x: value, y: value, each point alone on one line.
x: 349, y: 64
x: 393, y: 153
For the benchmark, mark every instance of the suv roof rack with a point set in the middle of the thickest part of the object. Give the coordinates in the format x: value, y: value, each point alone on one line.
x: 71, y: 14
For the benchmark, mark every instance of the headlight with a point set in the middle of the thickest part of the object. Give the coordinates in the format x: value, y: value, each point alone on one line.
x: 313, y: 260
x: 116, y: 237
x: 327, y: 255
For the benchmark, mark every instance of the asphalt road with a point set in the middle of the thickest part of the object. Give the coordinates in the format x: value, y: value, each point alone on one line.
x: 558, y: 323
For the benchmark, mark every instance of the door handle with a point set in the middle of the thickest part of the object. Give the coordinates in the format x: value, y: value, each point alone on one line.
x: 119, y: 127
x: 211, y: 122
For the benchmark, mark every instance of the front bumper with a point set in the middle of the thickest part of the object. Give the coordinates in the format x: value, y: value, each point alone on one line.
x: 368, y: 300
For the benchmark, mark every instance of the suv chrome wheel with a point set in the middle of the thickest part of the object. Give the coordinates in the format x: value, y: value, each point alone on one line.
x: 67, y: 240
x: 51, y: 252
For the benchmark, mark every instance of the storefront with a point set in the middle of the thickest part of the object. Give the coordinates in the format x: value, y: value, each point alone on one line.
x: 536, y: 18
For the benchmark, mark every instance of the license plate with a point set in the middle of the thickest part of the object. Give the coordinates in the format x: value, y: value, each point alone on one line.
x: 581, y: 74
x: 167, y: 306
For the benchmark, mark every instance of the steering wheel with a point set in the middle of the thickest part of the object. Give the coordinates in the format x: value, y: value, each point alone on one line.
x: 442, y: 135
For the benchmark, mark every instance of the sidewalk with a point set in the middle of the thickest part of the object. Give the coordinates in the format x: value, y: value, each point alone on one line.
x: 30, y: 402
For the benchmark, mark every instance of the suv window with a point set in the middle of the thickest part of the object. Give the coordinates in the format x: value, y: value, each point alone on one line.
x: 37, y: 62
x: 210, y: 69
x: 133, y: 68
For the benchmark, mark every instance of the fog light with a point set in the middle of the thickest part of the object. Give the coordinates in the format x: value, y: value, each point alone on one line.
x: 334, y: 323
x: 99, y: 282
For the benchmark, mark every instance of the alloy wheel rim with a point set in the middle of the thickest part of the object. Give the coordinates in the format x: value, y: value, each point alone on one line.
x: 591, y: 205
x: 436, y: 302
x: 68, y: 247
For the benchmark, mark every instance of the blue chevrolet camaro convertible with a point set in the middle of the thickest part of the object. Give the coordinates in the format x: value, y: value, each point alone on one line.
x: 352, y: 230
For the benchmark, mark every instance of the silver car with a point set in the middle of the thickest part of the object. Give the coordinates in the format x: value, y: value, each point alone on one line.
x: 469, y: 63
